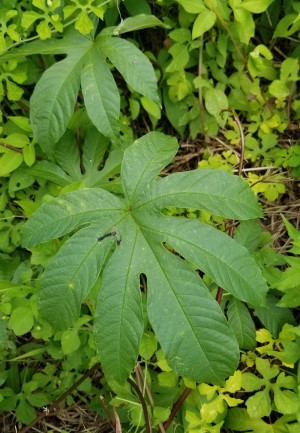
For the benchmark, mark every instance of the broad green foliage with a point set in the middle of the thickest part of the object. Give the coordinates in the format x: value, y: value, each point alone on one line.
x: 176, y: 294
x: 52, y: 103
x: 112, y: 245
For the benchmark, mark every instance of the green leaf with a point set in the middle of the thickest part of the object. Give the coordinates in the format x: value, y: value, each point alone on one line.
x: 242, y: 325
x: 192, y: 6
x: 70, y: 341
x: 25, y: 412
x: 279, y: 89
x: 29, y: 154
x: 272, y: 316
x: 143, y: 161
x: 151, y: 107
x: 131, y: 63
x: 216, y: 102
x: 176, y: 292
x: 14, y: 92
x: 141, y: 241
x: 292, y: 231
x: 291, y: 299
x: 94, y: 148
x: 135, y: 8
x: 9, y: 162
x: 53, y: 100
x: 161, y: 414
x: 65, y: 213
x: 80, y: 260
x: 67, y: 155
x: 20, y: 179
x: 43, y: 30
x: 245, y: 24
x: 21, y: 321
x: 287, y: 26
x: 180, y: 54
x: 148, y: 345
x: 208, y: 249
x: 204, y: 22
x: 119, y: 324
x: 83, y: 23
x: 50, y: 171
x: 259, y: 405
x: 239, y: 420
x: 215, y: 191
x: 249, y: 234
x: 72, y: 40
x: 286, y: 401
x: 256, y: 6
x: 289, y: 70
x: 138, y: 22
x: 101, y: 95
x: 251, y: 383
x: 38, y: 399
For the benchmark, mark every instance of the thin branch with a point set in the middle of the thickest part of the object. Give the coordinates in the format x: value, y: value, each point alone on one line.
x: 17, y: 149
x: 240, y: 170
x: 110, y: 416
x: 143, y: 403
x: 10, y: 147
x: 176, y: 407
x: 140, y: 376
x: 22, y: 105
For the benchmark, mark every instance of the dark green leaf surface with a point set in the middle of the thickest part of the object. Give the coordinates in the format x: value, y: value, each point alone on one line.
x: 274, y: 317
x: 101, y: 95
x: 138, y: 22
x: 70, y: 276
x: 216, y: 191
x: 94, y: 148
x: 143, y: 161
x: 241, y: 323
x: 72, y: 40
x: 188, y: 322
x: 131, y: 63
x: 213, y: 252
x: 50, y: 171
x: 67, y: 155
x: 72, y: 210
x: 53, y: 100
x: 119, y: 317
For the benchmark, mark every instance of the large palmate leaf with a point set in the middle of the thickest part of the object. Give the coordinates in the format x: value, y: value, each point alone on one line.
x: 54, y: 97
x: 92, y: 169
x: 127, y: 237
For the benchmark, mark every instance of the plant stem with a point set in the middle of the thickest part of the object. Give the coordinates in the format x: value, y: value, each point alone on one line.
x: 140, y: 375
x: 143, y: 403
x: 176, y: 407
x: 240, y: 169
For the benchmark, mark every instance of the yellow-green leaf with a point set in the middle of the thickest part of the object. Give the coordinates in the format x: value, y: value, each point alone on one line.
x: 29, y: 154
x: 9, y: 162
x: 151, y: 107
x: 83, y: 23
x: 204, y: 22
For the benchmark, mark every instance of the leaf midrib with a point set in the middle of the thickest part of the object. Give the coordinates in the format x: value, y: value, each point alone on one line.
x: 124, y: 294
x: 179, y: 303
x: 174, y: 194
